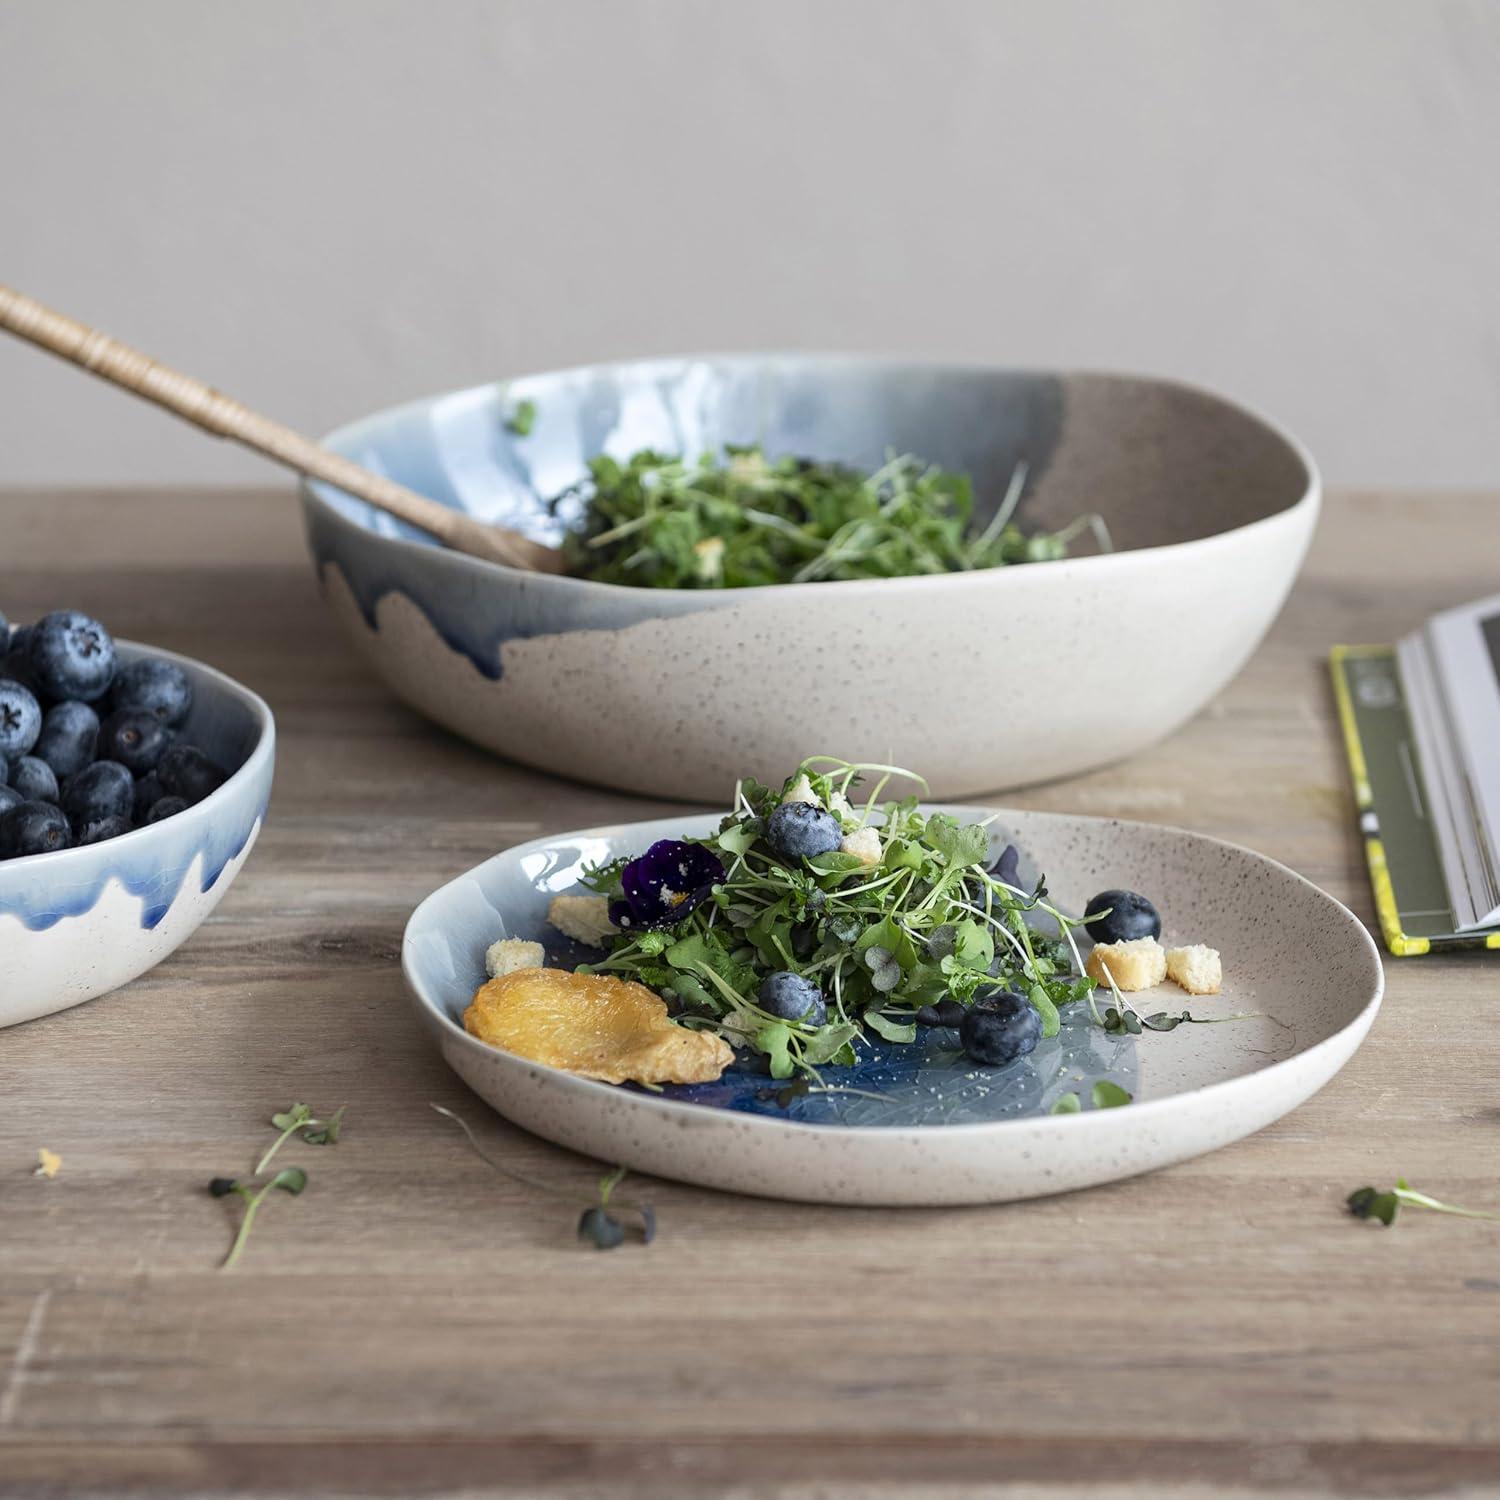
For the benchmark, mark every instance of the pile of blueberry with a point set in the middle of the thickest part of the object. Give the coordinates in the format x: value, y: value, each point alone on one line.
x: 89, y: 748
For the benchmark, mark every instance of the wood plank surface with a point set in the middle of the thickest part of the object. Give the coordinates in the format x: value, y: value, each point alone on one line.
x: 415, y: 1325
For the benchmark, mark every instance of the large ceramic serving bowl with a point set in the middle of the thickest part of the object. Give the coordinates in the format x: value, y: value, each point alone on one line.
x: 985, y: 679
x: 81, y: 922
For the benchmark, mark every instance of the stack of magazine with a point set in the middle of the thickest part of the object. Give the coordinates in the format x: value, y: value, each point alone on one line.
x: 1422, y: 730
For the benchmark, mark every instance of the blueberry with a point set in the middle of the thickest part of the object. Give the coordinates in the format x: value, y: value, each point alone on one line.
x: 148, y: 792
x: 1000, y: 1028
x: 791, y: 997
x: 15, y: 666
x: 20, y: 719
x: 185, y: 771
x: 804, y: 940
x: 944, y: 1013
x: 33, y: 828
x: 69, y: 738
x: 103, y: 828
x: 103, y: 790
x: 71, y: 656
x: 134, y: 738
x: 34, y: 780
x: 160, y: 688
x: 167, y: 807
x: 1131, y: 916
x: 9, y: 798
x: 798, y: 830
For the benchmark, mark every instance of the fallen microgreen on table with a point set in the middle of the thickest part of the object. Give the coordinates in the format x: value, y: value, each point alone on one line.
x: 1383, y: 1206
x: 300, y: 1119
x: 288, y: 1180
x: 599, y: 1222
x: 297, y: 1120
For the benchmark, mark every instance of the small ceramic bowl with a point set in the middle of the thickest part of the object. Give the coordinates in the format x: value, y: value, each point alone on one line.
x: 81, y: 922
x: 980, y: 680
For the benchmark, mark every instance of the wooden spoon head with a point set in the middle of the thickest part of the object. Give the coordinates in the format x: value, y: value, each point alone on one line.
x: 500, y: 544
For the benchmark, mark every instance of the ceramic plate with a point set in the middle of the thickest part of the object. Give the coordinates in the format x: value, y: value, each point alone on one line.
x: 938, y: 1129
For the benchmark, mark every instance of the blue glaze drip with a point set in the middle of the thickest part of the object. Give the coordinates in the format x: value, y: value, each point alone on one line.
x: 477, y: 621
x: 43, y: 905
x: 457, y: 450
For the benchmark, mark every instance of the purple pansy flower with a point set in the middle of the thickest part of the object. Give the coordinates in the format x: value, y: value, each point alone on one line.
x: 665, y: 884
x: 1007, y: 869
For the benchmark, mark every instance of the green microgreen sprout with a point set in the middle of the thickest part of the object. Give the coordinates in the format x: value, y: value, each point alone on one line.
x: 1370, y: 1203
x: 1103, y: 1095
x: 522, y: 418
x: 738, y: 519
x: 314, y: 1131
x: 288, y: 1180
x: 597, y: 1224
x: 928, y: 921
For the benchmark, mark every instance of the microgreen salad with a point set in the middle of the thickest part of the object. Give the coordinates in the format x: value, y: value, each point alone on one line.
x: 814, y: 919
x: 742, y: 519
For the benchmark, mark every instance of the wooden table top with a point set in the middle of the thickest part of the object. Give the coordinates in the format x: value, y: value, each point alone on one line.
x: 415, y: 1325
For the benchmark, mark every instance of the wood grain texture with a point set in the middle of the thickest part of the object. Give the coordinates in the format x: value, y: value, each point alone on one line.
x: 414, y: 1325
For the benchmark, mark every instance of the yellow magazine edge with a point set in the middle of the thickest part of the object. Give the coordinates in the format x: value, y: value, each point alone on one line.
x: 1380, y: 876
x: 1400, y: 943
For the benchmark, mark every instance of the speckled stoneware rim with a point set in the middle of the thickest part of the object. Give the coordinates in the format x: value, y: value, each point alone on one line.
x: 342, y: 440
x: 46, y: 866
x: 1090, y: 1122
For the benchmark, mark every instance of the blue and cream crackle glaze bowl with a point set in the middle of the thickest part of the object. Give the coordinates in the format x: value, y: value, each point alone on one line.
x: 81, y: 922
x: 985, y: 679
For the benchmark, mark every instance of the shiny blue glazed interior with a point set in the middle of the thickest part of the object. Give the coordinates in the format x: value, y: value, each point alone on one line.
x: 233, y: 726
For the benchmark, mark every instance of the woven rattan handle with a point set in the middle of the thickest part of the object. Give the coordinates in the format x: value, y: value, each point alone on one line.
x: 224, y: 417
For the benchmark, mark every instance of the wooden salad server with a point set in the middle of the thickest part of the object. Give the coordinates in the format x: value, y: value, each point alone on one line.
x: 226, y: 418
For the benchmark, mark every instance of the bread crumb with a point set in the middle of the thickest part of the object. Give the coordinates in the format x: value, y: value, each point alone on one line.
x: 49, y: 1163
x: 585, y: 919
x: 863, y: 844
x: 801, y: 791
x: 1139, y: 964
x: 510, y: 954
x: 1196, y: 969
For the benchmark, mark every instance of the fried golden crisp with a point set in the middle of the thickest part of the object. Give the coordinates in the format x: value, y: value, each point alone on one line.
x: 593, y: 1024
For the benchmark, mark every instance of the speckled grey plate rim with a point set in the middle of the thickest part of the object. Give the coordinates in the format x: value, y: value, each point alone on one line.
x: 430, y: 1011
x: 315, y: 491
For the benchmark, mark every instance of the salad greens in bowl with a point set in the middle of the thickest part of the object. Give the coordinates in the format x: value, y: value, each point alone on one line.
x: 958, y: 567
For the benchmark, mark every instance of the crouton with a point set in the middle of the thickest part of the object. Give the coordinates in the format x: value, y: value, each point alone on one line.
x: 1196, y: 969
x: 1139, y: 964
x: 864, y: 844
x: 801, y: 791
x: 510, y: 954
x: 585, y: 919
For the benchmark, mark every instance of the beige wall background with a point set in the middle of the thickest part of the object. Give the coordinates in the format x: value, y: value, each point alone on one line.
x: 327, y: 207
